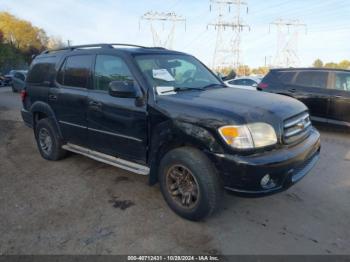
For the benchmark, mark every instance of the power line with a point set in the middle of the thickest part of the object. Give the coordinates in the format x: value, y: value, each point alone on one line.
x: 287, y: 42
x: 163, y: 27
x: 228, y: 44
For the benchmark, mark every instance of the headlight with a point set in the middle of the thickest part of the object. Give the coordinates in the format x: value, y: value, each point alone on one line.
x: 249, y: 136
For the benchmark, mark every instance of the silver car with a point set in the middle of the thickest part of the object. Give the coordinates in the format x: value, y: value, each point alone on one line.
x: 248, y: 83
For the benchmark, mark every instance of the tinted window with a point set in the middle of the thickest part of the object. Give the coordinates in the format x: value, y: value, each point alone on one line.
x: 236, y: 82
x: 312, y: 79
x: 286, y: 77
x: 249, y: 82
x: 243, y: 82
x: 76, y: 71
x: 108, y: 69
x: 342, y: 81
x: 41, y: 70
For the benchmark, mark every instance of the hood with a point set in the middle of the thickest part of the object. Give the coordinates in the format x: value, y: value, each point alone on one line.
x: 227, y: 106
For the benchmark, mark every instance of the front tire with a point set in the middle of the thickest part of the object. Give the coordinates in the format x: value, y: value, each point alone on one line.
x: 189, y: 183
x: 48, y: 141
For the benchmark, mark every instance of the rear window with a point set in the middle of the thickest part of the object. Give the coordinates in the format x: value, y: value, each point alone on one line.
x: 312, y: 79
x: 76, y: 71
x: 42, y: 69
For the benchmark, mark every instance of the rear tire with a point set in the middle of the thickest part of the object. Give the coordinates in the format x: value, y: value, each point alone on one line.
x: 48, y: 141
x: 189, y: 183
x: 14, y: 90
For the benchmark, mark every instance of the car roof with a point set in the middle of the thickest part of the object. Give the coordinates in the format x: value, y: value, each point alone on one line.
x: 124, y: 48
x: 308, y: 69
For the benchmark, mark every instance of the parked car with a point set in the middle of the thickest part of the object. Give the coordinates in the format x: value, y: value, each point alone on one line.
x: 8, y: 77
x: 249, y: 83
x: 18, y: 81
x: 164, y: 114
x: 326, y: 92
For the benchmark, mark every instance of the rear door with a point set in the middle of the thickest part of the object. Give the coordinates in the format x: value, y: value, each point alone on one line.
x: 117, y: 126
x: 69, y: 98
x: 339, y: 111
x: 312, y: 88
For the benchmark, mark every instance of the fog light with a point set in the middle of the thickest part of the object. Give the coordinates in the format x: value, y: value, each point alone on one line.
x: 267, y: 182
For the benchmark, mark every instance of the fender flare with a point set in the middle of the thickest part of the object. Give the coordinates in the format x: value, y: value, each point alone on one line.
x: 172, y: 134
x: 42, y: 107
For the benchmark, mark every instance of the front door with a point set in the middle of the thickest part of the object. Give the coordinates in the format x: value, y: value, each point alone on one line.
x: 116, y: 125
x: 339, y: 111
x: 69, y: 98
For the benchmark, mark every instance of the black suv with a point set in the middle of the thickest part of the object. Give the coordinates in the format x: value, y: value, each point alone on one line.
x: 164, y: 114
x: 326, y: 92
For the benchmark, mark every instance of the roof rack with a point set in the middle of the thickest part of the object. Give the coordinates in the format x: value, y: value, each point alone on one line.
x: 71, y: 48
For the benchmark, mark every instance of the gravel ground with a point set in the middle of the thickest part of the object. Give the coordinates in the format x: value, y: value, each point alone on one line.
x: 80, y: 206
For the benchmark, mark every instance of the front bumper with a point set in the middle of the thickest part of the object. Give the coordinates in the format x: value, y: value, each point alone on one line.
x: 287, y: 166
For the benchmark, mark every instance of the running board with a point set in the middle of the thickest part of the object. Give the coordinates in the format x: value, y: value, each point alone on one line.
x: 110, y: 160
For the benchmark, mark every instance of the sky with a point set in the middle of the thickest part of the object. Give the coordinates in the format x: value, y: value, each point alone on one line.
x: 118, y: 21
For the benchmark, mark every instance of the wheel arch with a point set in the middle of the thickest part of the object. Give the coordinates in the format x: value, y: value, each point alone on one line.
x: 42, y: 110
x: 169, y: 135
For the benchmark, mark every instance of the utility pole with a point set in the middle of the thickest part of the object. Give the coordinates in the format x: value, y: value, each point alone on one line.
x: 287, y: 42
x: 228, y: 44
x: 164, y: 36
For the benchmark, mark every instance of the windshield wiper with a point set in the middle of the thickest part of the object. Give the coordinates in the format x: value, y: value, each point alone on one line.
x: 179, y: 89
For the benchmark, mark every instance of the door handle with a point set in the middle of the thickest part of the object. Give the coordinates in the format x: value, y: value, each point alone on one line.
x: 293, y: 90
x: 337, y: 97
x: 52, y: 97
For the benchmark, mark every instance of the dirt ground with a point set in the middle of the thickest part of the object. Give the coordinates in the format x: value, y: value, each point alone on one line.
x: 80, y: 206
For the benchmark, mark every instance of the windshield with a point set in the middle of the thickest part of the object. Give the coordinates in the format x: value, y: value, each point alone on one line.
x: 176, y: 71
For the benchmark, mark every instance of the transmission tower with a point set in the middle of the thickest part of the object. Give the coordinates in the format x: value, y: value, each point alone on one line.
x: 287, y: 42
x: 229, y: 28
x: 163, y: 27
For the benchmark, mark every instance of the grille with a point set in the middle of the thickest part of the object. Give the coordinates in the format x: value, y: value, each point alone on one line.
x: 296, y: 128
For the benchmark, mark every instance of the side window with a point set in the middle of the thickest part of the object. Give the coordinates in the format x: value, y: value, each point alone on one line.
x: 312, y: 79
x: 110, y: 68
x: 237, y: 82
x: 286, y: 77
x: 342, y: 81
x: 76, y: 71
x: 42, y: 70
x: 249, y: 82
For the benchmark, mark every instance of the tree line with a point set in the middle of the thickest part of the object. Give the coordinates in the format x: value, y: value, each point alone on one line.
x: 20, y: 41
x: 245, y: 70
x: 345, y: 64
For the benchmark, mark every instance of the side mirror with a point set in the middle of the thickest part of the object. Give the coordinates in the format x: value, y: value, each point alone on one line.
x: 124, y: 89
